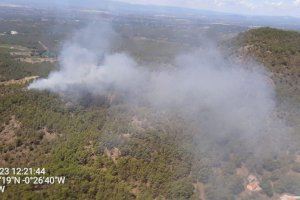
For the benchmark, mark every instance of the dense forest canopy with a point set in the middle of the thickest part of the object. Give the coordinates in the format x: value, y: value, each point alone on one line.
x: 108, y: 148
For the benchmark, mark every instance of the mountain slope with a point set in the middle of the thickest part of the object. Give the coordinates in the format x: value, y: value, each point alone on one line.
x: 279, y: 51
x: 114, y: 151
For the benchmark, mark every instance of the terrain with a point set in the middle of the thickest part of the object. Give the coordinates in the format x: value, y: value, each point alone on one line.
x: 111, y: 150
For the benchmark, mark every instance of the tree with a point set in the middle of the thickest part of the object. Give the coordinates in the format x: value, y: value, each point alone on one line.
x: 267, y: 187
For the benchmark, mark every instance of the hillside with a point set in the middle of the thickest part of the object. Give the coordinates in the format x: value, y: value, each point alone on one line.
x: 279, y: 51
x: 119, y: 151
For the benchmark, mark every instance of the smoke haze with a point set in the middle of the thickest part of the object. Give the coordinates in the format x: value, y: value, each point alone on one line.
x: 219, y: 96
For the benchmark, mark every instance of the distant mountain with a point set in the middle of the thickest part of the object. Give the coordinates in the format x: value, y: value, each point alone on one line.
x: 284, y: 22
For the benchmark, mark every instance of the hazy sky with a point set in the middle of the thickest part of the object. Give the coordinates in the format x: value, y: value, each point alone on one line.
x: 249, y: 7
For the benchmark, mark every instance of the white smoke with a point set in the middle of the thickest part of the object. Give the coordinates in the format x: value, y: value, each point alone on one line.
x: 221, y: 96
x: 80, y: 72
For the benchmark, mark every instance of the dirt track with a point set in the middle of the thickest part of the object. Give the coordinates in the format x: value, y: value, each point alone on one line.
x: 20, y: 81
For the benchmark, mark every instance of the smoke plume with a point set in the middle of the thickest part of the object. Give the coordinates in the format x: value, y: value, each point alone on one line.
x: 222, y: 97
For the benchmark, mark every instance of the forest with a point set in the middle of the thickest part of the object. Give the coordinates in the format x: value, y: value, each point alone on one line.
x: 119, y: 151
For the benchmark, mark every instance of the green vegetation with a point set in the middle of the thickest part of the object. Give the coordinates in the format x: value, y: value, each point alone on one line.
x: 279, y: 50
x: 119, y: 151
x: 10, y: 68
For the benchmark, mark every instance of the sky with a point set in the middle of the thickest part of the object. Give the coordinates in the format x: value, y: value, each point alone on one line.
x: 247, y: 7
